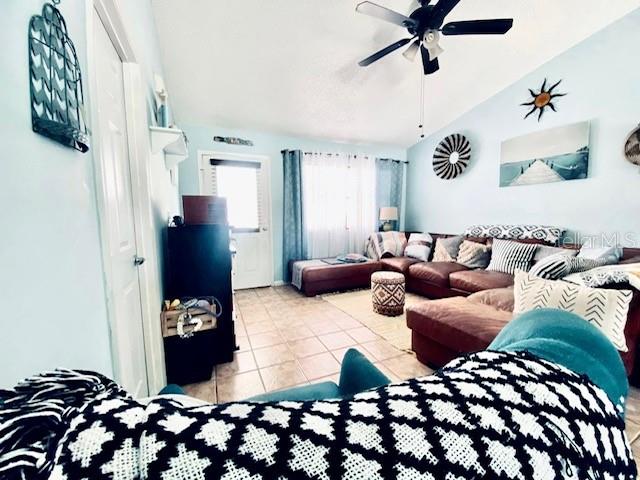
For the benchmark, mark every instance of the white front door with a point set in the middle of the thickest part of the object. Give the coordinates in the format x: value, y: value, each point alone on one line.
x: 118, y: 219
x: 244, y: 182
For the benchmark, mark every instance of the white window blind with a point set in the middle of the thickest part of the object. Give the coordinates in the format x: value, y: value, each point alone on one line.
x: 241, y: 183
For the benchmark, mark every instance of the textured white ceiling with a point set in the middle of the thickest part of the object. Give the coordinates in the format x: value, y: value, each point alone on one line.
x: 289, y: 66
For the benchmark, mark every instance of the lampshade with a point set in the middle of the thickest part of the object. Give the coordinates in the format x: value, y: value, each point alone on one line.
x: 388, y: 213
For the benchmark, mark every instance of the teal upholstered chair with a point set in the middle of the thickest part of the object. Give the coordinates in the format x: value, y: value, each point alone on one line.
x: 356, y: 375
x: 568, y: 340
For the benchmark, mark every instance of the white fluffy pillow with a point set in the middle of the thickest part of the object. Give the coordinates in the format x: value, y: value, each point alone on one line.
x: 605, y: 309
x: 419, y: 246
x: 610, y: 254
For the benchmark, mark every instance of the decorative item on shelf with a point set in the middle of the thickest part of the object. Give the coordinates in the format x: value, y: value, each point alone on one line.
x: 388, y: 215
x: 543, y: 99
x: 176, y: 221
x: 234, y: 141
x: 632, y: 147
x: 452, y: 156
x: 553, y: 155
x: 162, y: 105
x: 57, y: 100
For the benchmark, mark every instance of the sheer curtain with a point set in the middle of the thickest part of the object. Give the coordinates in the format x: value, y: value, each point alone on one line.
x: 339, y: 208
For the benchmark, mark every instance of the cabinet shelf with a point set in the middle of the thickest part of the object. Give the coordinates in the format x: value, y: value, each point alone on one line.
x: 172, y: 142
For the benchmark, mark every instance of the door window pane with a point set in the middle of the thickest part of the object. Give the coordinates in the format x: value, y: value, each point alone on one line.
x: 240, y: 186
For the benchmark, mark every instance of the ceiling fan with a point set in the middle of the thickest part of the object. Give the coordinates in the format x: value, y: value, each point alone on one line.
x: 425, y: 25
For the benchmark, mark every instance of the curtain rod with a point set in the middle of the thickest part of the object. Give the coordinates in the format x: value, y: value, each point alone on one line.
x: 354, y: 154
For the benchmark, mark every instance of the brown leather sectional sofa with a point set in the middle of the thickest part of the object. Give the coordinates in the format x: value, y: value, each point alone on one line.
x: 470, y: 307
x: 464, y: 309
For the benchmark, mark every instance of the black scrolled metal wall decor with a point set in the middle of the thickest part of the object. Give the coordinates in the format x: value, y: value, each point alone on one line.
x: 57, y: 100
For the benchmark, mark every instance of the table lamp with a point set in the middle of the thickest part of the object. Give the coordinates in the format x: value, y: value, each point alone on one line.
x: 387, y: 215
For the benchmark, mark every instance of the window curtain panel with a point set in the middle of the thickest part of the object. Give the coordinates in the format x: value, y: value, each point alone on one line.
x: 339, y: 203
x: 389, y: 180
x: 293, y: 234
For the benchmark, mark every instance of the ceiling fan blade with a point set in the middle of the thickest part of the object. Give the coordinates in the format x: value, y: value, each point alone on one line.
x: 384, y: 52
x: 430, y: 66
x: 498, y: 26
x: 375, y: 10
x: 411, y: 52
x: 441, y: 10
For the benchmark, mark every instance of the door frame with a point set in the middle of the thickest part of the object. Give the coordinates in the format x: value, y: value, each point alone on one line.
x: 108, y: 11
x: 265, y: 160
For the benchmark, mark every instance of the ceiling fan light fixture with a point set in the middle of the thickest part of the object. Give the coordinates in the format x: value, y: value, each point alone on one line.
x: 411, y: 52
x: 431, y: 41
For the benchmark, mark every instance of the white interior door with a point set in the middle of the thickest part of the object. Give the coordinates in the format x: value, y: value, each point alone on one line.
x: 118, y: 219
x: 244, y: 182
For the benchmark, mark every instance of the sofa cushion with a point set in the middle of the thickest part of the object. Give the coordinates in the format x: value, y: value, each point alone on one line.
x: 477, y: 280
x: 435, y: 272
x: 398, y: 264
x: 500, y: 298
x: 458, y: 323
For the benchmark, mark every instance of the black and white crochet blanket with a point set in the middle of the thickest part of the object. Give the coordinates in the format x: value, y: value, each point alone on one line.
x: 487, y: 415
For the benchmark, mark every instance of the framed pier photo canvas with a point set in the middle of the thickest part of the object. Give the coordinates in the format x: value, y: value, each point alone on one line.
x: 554, y: 155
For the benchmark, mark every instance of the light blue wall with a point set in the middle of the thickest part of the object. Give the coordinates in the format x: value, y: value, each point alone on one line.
x: 201, y: 138
x: 602, y: 77
x: 51, y: 279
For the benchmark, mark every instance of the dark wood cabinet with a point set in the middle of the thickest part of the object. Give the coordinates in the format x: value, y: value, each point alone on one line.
x: 198, y: 264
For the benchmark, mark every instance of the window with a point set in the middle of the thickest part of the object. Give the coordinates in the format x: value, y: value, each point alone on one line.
x: 339, y: 211
x: 239, y: 182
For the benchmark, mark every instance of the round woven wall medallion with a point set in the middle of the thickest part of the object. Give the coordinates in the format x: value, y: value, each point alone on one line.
x: 452, y: 156
x: 632, y: 147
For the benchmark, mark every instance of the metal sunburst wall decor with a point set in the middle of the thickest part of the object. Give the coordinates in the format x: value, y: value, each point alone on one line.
x: 543, y: 99
x: 57, y: 100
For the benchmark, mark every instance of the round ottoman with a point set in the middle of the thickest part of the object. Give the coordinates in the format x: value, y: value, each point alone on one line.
x: 387, y: 293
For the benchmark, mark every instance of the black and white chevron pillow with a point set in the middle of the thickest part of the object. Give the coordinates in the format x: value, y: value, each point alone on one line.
x: 603, y: 308
x: 507, y: 256
x: 552, y: 267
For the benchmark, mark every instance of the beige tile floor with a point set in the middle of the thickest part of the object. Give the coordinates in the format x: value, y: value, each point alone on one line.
x: 287, y: 339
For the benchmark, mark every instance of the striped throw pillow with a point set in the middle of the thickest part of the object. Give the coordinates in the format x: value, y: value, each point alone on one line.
x: 507, y: 256
x: 419, y: 246
x: 552, y: 267
x: 581, y: 264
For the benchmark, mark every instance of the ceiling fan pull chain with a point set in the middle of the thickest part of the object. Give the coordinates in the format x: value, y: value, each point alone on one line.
x: 421, y: 125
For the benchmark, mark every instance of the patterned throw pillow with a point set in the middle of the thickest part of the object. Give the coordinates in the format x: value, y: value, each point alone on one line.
x: 604, y: 309
x: 419, y: 246
x: 446, y: 249
x: 507, y: 256
x: 474, y: 254
x: 606, y: 275
x: 541, y: 233
x: 553, y: 267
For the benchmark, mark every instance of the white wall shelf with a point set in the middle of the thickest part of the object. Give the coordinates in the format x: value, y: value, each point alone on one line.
x: 172, y: 142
